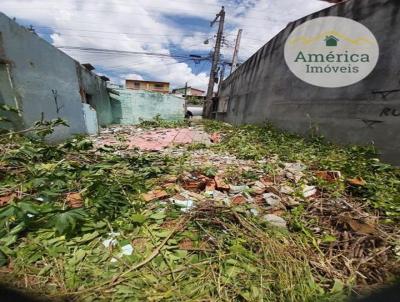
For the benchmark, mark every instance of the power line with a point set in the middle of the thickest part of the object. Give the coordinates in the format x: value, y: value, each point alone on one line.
x: 111, y: 32
x: 114, y: 51
x: 195, y: 12
x: 55, y: 29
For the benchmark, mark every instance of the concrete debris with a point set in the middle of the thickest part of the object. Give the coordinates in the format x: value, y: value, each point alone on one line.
x: 126, y: 250
x: 220, y: 196
x: 254, y: 211
x: 309, y: 191
x: 295, y: 176
x: 273, y: 189
x: 295, y: 167
x: 294, y: 171
x: 111, y: 241
x: 185, y: 205
x: 238, y: 189
x: 285, y: 189
x: 258, y: 187
x: 273, y: 201
x: 275, y: 220
x: 183, y: 202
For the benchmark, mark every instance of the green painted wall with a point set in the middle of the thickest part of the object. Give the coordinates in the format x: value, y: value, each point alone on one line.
x: 132, y: 105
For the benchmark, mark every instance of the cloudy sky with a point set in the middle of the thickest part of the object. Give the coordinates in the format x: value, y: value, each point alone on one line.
x: 174, y: 28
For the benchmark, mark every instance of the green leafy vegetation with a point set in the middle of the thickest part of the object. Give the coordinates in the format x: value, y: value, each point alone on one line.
x: 158, y: 122
x: 74, y: 221
x: 382, y: 188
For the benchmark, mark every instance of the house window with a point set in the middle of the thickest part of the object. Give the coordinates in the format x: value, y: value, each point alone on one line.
x: 137, y: 85
x: 159, y: 86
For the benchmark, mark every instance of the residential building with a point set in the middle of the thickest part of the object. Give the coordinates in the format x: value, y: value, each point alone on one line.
x: 189, y: 91
x: 161, y: 87
x: 45, y: 83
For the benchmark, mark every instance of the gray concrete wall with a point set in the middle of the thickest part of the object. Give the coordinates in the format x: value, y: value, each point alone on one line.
x: 264, y: 89
x: 97, y: 89
x: 132, y: 106
x: 40, y: 72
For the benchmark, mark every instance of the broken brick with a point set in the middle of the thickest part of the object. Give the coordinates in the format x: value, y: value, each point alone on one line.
x: 194, y: 182
x: 210, y: 185
x: 74, y: 200
x: 330, y: 176
x: 267, y: 181
x: 6, y: 199
x: 155, y: 194
x: 239, y: 199
x: 358, y: 181
x: 215, y: 137
x: 221, y: 184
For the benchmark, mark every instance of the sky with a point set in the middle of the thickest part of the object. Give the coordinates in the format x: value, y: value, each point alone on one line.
x: 177, y: 28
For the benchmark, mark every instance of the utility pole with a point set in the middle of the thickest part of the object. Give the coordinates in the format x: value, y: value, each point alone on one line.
x: 221, y: 76
x: 186, y: 99
x: 207, y: 108
x: 236, y: 51
x: 186, y: 88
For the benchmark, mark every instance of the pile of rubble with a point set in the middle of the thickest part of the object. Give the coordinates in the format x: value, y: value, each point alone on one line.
x: 350, y: 237
x: 267, y: 196
x: 133, y: 137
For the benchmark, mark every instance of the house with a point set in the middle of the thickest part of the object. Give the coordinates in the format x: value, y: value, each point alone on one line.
x: 331, y: 41
x: 42, y: 82
x: 189, y: 91
x: 162, y: 87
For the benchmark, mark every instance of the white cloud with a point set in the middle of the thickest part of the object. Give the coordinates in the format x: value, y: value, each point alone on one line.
x: 133, y: 76
x: 144, y: 26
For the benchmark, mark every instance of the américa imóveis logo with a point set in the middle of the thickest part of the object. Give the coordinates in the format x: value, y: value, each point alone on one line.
x: 331, y: 52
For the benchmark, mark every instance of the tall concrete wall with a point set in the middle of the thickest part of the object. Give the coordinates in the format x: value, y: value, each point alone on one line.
x: 94, y: 86
x: 38, y: 74
x: 264, y: 89
x: 130, y: 106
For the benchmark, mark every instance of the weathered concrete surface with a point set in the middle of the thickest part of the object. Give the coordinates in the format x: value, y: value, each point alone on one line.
x: 151, y: 140
x: 130, y: 106
x: 99, y: 99
x: 34, y: 74
x: 264, y: 89
x: 91, y: 121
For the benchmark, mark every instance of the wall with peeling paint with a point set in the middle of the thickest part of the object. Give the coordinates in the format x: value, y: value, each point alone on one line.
x: 44, y: 81
x: 94, y: 86
x: 264, y: 89
x: 130, y: 106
